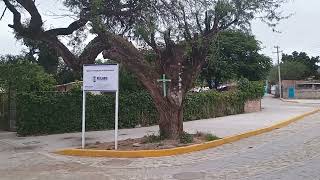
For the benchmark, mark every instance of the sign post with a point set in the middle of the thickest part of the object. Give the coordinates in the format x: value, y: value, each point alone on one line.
x: 83, y: 118
x: 102, y: 78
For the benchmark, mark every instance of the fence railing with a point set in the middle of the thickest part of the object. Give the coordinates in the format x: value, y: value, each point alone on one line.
x: 4, y: 111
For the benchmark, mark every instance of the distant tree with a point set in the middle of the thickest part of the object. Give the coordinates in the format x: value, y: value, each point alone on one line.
x: 23, y: 75
x: 235, y: 54
x: 290, y: 70
x: 311, y: 63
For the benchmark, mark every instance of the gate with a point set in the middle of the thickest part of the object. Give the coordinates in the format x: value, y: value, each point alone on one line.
x: 291, y: 93
x: 4, y: 111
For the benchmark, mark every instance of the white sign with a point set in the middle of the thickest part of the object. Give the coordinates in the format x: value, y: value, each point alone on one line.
x: 101, y: 77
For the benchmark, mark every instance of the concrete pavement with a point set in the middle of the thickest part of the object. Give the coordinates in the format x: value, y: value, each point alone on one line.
x: 281, y: 154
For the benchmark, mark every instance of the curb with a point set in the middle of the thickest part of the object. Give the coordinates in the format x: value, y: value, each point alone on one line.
x: 180, y: 150
x: 289, y: 101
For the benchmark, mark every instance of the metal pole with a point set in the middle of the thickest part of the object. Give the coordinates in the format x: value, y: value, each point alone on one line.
x: 116, y: 124
x: 83, y: 117
x: 279, y: 72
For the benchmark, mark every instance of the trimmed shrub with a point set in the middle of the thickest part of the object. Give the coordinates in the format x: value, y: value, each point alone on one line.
x: 213, y: 104
x: 51, y: 112
x: 251, y: 90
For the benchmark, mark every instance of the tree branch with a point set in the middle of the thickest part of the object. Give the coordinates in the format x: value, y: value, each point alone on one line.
x: 198, y: 23
x: 3, y: 13
x: 36, y: 20
x: 63, y: 51
x: 187, y: 33
x: 125, y: 53
x: 92, y: 50
x: 16, y: 17
x: 223, y: 27
x: 71, y: 28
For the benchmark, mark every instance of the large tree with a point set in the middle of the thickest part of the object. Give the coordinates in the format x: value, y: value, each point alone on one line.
x: 310, y: 62
x: 150, y: 38
x: 291, y: 70
x: 235, y: 54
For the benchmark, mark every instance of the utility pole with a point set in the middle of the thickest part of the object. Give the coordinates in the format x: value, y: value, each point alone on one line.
x: 279, y: 70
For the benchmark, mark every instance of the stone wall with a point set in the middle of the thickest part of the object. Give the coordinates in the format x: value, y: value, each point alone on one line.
x: 252, y: 106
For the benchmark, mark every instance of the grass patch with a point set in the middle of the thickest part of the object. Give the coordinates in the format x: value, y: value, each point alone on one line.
x: 186, y: 138
x: 207, y: 136
x: 211, y: 137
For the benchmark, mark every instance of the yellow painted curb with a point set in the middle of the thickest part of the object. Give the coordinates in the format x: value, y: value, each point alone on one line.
x: 180, y: 150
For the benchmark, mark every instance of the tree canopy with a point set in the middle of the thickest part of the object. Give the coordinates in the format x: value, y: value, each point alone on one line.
x: 235, y: 54
x: 291, y: 70
x: 311, y: 63
x: 24, y: 76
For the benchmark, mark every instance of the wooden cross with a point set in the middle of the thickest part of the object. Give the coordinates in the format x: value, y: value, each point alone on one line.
x: 164, y: 84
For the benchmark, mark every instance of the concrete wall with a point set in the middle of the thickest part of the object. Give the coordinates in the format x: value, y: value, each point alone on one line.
x: 252, y: 106
x: 307, y: 94
x: 301, y: 93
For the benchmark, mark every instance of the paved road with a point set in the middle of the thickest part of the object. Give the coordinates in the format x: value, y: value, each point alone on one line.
x: 289, y: 153
x: 273, y: 112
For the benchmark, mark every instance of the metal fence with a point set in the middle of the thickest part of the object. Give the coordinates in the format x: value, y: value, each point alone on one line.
x: 4, y: 111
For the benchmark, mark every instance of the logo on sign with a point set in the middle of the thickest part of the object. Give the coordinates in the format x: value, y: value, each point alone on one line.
x: 99, y: 78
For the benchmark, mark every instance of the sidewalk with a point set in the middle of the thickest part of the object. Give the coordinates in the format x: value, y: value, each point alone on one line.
x: 303, y: 101
x: 273, y: 111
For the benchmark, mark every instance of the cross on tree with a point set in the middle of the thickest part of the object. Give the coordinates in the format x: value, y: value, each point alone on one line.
x: 164, y: 84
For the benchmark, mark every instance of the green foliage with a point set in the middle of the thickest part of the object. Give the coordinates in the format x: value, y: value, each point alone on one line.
x: 290, y: 70
x: 212, y: 104
x: 251, y: 90
x: 211, y: 137
x: 310, y: 63
x: 49, y: 113
x: 40, y: 53
x: 186, y: 138
x: 25, y: 76
x: 234, y: 54
x: 297, y: 66
x: 128, y: 82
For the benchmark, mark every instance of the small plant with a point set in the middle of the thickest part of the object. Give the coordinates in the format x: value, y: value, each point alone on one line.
x: 211, y: 137
x: 186, y: 138
x: 152, y: 138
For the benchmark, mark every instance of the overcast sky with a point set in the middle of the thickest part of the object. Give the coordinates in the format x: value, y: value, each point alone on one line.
x: 298, y: 33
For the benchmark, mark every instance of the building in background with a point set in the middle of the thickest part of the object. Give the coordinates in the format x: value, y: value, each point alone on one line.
x: 301, y: 89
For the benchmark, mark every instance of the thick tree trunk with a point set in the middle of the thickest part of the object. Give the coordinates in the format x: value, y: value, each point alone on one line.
x: 171, y: 120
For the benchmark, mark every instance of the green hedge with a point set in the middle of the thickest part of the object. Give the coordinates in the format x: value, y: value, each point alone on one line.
x: 50, y: 113
x: 213, y: 104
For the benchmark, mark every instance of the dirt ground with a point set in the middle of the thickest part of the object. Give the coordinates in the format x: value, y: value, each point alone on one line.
x: 153, y: 142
